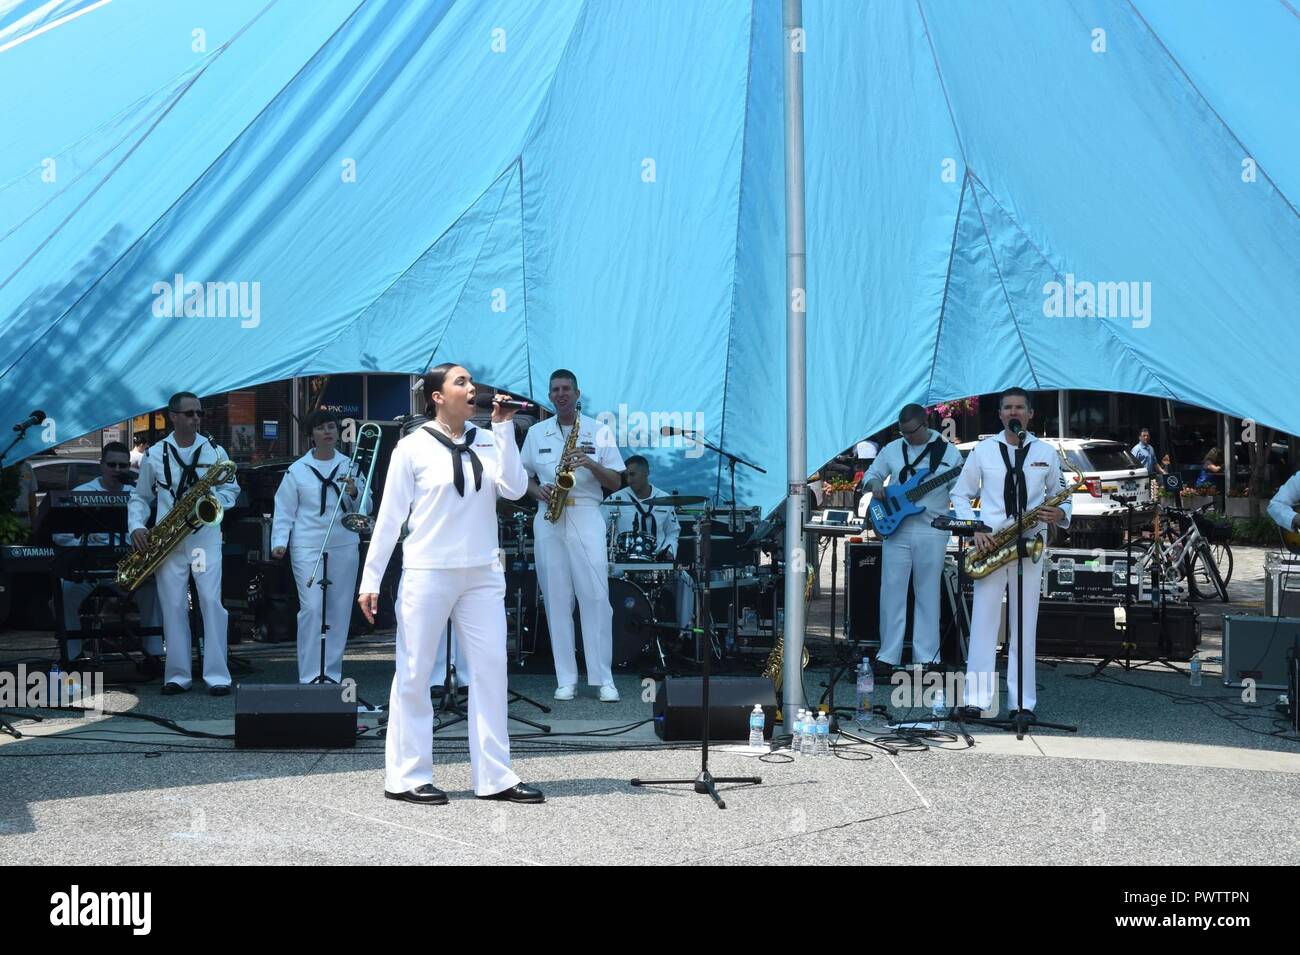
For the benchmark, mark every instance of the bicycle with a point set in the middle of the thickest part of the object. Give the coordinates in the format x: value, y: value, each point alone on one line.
x: 1187, y: 553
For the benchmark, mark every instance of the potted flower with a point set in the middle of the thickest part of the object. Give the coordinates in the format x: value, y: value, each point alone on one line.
x: 839, y: 493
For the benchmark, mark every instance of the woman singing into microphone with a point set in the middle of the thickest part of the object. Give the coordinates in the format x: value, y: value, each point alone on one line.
x: 443, y: 481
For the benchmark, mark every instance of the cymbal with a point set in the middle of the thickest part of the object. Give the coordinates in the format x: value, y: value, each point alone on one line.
x: 610, y: 502
x: 511, y: 508
x: 675, y: 500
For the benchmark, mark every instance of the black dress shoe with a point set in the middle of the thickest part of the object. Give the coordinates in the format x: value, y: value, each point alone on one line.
x: 518, y: 793
x: 222, y: 690
x: 426, y: 795
x: 171, y: 689
x: 969, y: 712
x: 1027, y: 714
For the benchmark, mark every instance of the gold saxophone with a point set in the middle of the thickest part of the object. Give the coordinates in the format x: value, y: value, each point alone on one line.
x: 564, y: 476
x: 772, y: 670
x: 199, y: 507
x: 979, y: 565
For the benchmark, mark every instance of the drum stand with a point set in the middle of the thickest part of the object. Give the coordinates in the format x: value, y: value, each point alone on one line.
x: 704, y: 782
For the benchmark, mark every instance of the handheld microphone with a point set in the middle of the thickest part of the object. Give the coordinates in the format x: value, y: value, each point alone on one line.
x: 669, y: 431
x: 35, y: 418
x: 487, y: 401
x: 1015, y: 427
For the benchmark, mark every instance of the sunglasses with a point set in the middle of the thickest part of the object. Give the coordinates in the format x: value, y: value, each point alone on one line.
x: 191, y: 414
x: 117, y: 464
x: 912, y: 431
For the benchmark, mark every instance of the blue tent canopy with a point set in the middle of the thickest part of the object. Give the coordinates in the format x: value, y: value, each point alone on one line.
x: 1096, y: 195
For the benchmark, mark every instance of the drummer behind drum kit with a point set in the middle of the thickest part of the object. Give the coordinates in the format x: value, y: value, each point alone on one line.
x: 652, y: 598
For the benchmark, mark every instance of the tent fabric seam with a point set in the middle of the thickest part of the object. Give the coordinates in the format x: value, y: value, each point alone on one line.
x: 735, y: 258
x: 947, y: 283
x: 1210, y: 106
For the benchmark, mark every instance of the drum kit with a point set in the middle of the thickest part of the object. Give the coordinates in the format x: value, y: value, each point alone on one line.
x: 650, y: 593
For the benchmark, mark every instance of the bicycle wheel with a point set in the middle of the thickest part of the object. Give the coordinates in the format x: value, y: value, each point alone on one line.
x: 1205, y: 581
x: 1222, y: 554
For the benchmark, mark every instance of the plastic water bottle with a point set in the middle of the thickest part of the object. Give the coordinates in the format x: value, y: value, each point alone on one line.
x: 756, y: 721
x: 866, y: 690
x: 938, y: 709
x: 808, y: 744
x: 56, y: 684
x: 796, y: 732
x: 823, y: 735
x: 1196, y: 669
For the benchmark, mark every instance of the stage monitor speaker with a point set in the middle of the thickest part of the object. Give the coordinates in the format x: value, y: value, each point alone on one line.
x: 679, y: 716
x: 1257, y: 648
x: 294, y: 715
x: 862, y: 594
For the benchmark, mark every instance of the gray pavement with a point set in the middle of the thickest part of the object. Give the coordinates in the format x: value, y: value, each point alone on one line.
x: 1158, y: 773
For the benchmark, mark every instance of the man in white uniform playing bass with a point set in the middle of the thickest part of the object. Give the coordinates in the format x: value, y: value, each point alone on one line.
x: 1010, y: 465
x: 443, y: 481
x: 915, y: 550
x: 572, y: 558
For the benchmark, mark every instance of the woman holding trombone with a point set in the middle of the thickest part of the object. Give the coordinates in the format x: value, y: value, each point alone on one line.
x: 319, y: 487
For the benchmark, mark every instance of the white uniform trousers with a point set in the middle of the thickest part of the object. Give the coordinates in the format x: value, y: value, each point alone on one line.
x: 572, y: 561
x: 981, y: 664
x: 915, y: 550
x: 146, y: 601
x: 343, y: 591
x: 474, y: 599
x: 203, y: 549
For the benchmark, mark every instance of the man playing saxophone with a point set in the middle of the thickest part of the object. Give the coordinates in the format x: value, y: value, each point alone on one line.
x: 1009, y: 471
x: 169, y: 469
x: 572, y: 560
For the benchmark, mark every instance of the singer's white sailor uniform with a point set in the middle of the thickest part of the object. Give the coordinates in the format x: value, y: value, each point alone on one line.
x: 166, y: 473
x: 915, y: 550
x: 451, y: 569
x: 984, y: 476
x: 572, y: 558
x: 75, y: 592
x: 304, y: 503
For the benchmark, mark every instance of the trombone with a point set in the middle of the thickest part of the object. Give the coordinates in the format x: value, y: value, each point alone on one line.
x: 358, y: 522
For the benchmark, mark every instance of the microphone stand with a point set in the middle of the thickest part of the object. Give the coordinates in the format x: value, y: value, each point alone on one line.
x: 1020, y: 721
x: 732, y: 461
x: 705, y: 783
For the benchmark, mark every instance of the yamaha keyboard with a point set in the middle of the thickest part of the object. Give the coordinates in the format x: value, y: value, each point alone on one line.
x: 23, y: 559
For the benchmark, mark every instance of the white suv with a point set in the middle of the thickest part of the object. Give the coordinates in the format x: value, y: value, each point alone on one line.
x: 1108, y: 468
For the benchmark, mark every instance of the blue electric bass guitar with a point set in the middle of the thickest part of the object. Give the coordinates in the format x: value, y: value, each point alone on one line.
x: 898, y: 503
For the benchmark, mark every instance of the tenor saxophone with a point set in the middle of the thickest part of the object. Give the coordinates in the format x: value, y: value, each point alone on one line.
x: 564, y: 476
x: 979, y: 565
x: 198, y: 507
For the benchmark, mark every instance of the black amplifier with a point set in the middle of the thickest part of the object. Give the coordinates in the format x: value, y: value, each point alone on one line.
x: 1074, y: 629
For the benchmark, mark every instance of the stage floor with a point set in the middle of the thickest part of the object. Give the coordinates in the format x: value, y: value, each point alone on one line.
x: 1155, y: 775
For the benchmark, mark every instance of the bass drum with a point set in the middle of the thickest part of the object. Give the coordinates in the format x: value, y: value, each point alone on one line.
x: 634, y: 622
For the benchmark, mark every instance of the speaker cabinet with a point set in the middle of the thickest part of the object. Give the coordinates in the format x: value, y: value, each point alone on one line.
x: 294, y: 715
x: 679, y: 715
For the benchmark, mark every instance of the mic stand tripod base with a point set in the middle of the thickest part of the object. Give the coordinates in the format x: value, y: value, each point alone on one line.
x: 705, y: 784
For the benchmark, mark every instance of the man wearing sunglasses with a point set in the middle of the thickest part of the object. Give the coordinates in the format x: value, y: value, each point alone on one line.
x: 114, y: 478
x: 915, y: 551
x: 169, y: 469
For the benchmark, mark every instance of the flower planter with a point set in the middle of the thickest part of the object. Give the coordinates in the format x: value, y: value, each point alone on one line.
x: 1240, y: 507
x: 1193, y: 501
